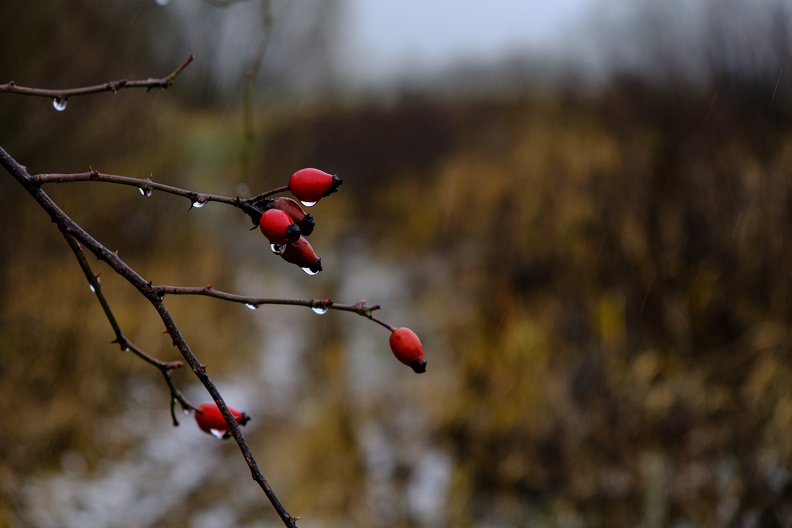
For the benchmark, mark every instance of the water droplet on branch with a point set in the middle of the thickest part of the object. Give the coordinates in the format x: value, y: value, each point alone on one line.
x: 321, y: 310
x: 91, y: 286
x: 252, y: 306
x: 278, y: 249
x: 308, y: 204
x: 59, y: 104
x: 309, y: 271
x: 146, y: 191
x: 198, y: 203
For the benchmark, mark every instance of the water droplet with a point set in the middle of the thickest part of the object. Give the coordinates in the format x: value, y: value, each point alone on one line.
x: 91, y: 286
x: 308, y: 204
x: 162, y: 2
x: 146, y: 191
x: 309, y: 271
x: 321, y: 310
x: 217, y: 433
x: 252, y: 306
x: 186, y: 411
x: 198, y: 203
x: 278, y: 249
x: 59, y: 104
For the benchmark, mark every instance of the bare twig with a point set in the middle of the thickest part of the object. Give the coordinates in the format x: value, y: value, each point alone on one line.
x: 147, y: 186
x: 360, y: 308
x: 69, y: 228
x: 165, y: 367
x: 112, y: 86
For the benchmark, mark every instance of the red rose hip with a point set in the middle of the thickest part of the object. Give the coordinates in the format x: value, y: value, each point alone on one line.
x: 278, y: 227
x: 210, y: 420
x: 293, y: 209
x: 408, y: 349
x: 310, y: 185
x: 302, y: 254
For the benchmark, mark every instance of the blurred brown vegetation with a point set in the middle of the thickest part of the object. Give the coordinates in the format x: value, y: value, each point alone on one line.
x: 622, y: 262
x: 602, y: 281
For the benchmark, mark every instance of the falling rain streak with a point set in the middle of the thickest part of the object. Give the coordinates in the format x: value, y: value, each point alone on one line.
x: 737, y: 223
x: 778, y: 81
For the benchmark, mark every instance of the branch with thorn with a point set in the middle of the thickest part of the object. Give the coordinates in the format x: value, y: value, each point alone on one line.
x: 78, y: 238
x: 111, y: 86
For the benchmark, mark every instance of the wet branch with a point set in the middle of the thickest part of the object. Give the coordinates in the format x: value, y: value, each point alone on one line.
x: 70, y: 229
x: 165, y: 367
x: 360, y: 308
x: 111, y: 86
x: 148, y: 186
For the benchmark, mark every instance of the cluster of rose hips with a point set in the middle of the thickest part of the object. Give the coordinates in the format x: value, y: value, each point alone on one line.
x: 286, y: 225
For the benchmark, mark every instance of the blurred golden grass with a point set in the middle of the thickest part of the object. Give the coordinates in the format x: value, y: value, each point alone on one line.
x: 607, y: 279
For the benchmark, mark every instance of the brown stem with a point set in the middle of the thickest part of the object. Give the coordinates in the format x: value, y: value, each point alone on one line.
x: 148, y: 185
x: 124, y: 344
x: 69, y: 227
x: 359, y: 308
x: 112, y: 86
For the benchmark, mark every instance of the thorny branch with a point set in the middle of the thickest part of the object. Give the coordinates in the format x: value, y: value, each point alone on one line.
x: 112, y: 86
x: 70, y: 229
x: 165, y: 367
x: 360, y: 308
x: 77, y: 238
x: 147, y: 186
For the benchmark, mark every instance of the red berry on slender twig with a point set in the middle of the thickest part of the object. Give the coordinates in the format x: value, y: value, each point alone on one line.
x: 408, y: 349
x: 293, y: 209
x: 211, y: 421
x: 302, y: 254
x: 278, y: 227
x: 310, y: 185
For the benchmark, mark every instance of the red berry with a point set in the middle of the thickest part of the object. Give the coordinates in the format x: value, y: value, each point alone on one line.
x: 278, y: 227
x: 302, y: 254
x: 211, y: 421
x: 408, y: 349
x: 293, y: 209
x: 310, y: 185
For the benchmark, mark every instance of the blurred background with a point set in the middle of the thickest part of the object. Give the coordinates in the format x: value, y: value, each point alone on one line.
x: 582, y: 207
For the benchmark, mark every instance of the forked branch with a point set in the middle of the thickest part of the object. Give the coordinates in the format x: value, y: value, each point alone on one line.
x: 70, y: 229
